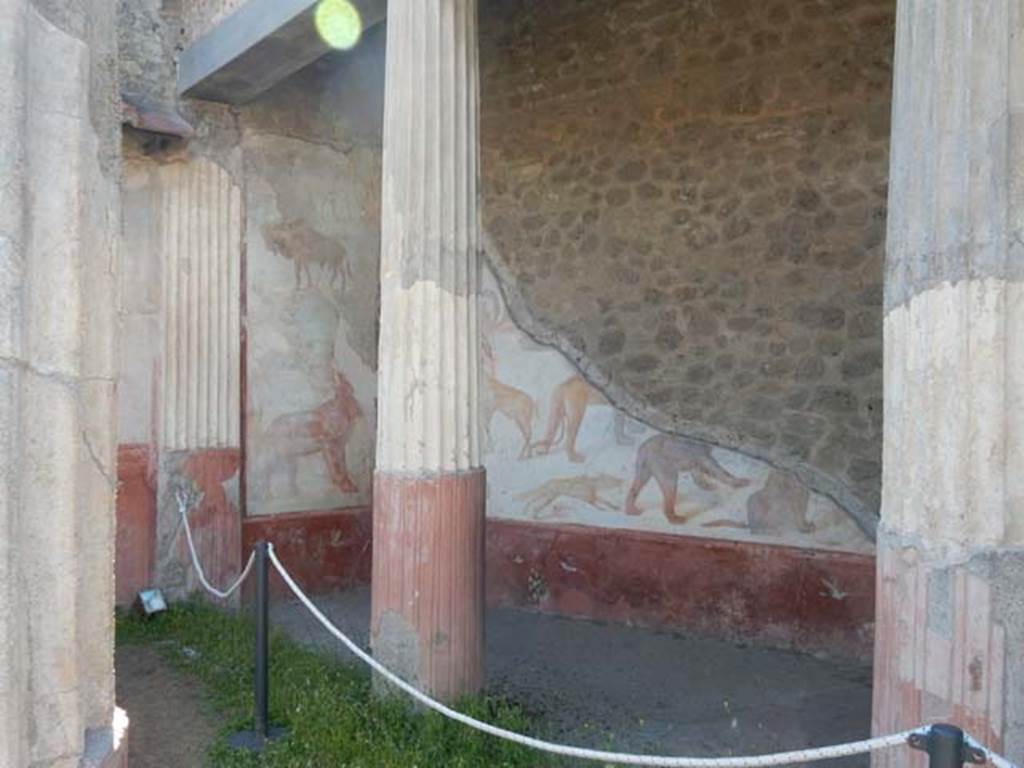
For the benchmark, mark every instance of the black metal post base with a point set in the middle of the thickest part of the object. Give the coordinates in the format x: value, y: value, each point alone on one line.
x: 254, y: 741
x: 947, y: 747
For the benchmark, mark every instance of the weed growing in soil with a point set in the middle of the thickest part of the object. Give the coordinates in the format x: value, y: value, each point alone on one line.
x: 327, y: 706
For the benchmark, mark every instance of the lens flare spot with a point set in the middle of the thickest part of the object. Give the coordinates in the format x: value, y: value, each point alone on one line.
x: 338, y: 23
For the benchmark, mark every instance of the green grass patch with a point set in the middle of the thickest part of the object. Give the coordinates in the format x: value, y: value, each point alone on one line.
x: 326, y: 705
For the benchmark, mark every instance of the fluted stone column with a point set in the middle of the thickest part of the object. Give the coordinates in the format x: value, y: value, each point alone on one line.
x: 59, y: 218
x: 950, y: 623
x: 427, y: 620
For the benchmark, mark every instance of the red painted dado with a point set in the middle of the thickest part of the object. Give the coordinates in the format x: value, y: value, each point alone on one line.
x: 217, y: 522
x: 323, y: 550
x: 136, y: 521
x: 427, y: 618
x: 773, y: 595
x: 941, y: 649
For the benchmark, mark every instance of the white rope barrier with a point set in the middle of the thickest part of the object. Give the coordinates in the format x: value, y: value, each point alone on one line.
x: 755, y: 761
x: 752, y: 761
x: 995, y: 758
x: 220, y: 594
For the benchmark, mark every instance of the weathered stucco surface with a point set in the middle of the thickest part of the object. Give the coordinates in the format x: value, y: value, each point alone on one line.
x: 59, y: 214
x: 146, y: 34
x: 283, y: 192
x: 311, y: 390
x: 427, y: 604
x: 179, y: 380
x: 198, y: 17
x: 312, y: 149
x: 689, y: 198
x: 951, y: 547
x: 558, y: 452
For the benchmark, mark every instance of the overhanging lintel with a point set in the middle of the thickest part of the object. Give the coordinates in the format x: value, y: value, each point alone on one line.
x: 258, y: 46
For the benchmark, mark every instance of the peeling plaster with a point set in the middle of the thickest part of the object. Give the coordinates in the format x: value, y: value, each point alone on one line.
x: 524, y: 318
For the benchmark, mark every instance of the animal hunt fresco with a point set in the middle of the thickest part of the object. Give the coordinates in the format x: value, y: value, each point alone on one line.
x: 557, y: 451
x: 311, y: 387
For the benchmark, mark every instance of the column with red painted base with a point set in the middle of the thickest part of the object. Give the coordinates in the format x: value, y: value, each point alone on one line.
x: 428, y: 538
x: 950, y: 608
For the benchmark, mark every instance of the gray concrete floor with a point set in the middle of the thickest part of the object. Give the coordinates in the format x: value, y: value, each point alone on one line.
x: 630, y: 689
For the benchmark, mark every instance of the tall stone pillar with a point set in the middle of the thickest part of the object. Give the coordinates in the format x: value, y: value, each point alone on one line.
x: 59, y: 217
x: 428, y: 534
x: 950, y: 621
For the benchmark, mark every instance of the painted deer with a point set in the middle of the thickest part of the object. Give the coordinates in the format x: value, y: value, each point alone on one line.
x: 298, y: 242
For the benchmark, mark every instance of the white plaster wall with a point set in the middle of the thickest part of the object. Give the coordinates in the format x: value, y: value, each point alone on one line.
x: 141, y: 344
x: 312, y: 240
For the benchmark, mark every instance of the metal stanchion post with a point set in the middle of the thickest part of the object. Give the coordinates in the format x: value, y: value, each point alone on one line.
x: 946, y: 747
x: 256, y: 739
x: 261, y: 682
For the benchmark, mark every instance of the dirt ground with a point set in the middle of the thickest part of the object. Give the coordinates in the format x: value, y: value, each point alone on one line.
x: 172, y: 724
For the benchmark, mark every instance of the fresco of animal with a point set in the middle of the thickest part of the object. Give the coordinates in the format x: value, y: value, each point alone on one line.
x: 492, y: 321
x: 491, y: 313
x: 568, y: 406
x: 778, y: 508
x: 587, y: 488
x: 324, y: 430
x: 664, y: 457
x: 304, y: 246
x: 514, y: 404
